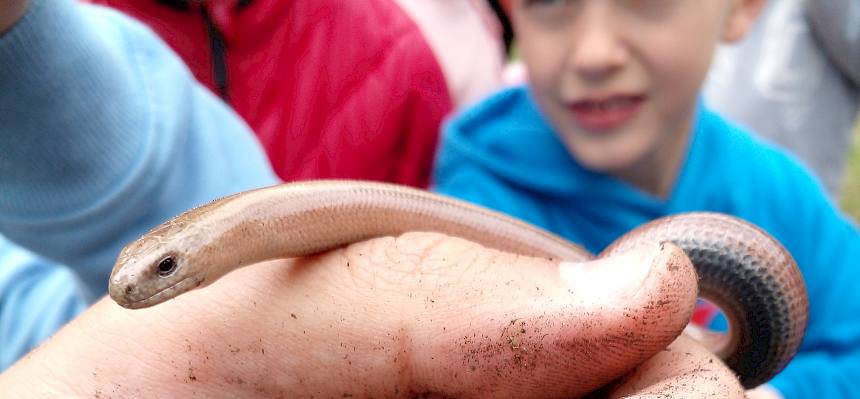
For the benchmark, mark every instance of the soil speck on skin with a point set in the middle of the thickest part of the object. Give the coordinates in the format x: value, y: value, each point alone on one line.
x: 293, y: 315
x: 191, y: 376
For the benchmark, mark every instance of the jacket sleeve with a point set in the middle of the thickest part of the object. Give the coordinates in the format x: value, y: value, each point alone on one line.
x: 826, y: 246
x: 103, y: 134
x: 37, y: 297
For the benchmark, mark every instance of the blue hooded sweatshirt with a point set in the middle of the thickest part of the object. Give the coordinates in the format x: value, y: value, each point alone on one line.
x: 504, y: 155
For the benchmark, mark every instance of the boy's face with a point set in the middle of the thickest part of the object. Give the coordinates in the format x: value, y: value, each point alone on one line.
x: 619, y: 79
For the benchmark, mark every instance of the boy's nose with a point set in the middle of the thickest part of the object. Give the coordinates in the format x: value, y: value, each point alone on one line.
x: 596, y: 49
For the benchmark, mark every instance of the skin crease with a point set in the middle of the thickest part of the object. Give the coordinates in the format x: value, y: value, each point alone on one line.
x: 420, y: 309
x: 658, y: 49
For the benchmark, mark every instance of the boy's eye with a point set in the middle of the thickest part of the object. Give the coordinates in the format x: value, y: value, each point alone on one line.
x: 550, y: 13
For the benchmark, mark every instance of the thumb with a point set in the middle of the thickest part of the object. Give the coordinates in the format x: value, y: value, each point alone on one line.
x: 523, y: 327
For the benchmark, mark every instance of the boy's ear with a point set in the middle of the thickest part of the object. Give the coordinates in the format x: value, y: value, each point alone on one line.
x: 741, y: 18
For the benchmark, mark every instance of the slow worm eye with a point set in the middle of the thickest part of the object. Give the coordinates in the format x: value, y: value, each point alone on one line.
x: 166, y: 267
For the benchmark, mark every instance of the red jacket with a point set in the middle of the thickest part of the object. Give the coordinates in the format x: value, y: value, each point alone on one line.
x: 333, y: 88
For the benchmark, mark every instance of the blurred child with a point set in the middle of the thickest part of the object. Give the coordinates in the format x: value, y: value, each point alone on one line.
x: 610, y: 133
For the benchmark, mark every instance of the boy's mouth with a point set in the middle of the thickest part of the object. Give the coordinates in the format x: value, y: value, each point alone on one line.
x: 602, y: 114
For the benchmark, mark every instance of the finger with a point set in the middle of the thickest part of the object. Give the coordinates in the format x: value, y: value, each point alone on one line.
x: 683, y: 370
x: 420, y: 314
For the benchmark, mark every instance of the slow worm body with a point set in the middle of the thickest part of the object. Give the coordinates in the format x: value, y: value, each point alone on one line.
x: 741, y: 268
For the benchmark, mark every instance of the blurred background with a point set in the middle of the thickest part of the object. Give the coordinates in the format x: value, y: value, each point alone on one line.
x: 851, y: 186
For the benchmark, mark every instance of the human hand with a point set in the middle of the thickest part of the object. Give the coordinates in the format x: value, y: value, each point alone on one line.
x: 10, y: 12
x: 422, y: 314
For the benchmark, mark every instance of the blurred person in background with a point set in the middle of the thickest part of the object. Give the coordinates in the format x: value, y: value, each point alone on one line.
x: 104, y: 133
x: 332, y: 88
x: 796, y: 81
